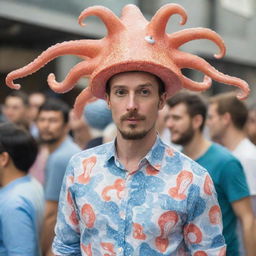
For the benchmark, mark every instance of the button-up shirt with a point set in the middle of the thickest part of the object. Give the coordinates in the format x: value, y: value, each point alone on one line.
x: 168, y: 206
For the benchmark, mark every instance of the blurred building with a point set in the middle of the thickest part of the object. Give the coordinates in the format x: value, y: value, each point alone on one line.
x: 29, y: 26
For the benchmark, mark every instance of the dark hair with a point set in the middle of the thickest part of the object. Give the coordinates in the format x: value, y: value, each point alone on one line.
x: 228, y: 103
x: 21, y: 95
x: 161, y: 86
x: 194, y: 103
x: 19, y: 144
x: 53, y: 104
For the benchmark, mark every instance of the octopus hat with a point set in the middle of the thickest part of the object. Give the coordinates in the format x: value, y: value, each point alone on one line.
x: 132, y: 44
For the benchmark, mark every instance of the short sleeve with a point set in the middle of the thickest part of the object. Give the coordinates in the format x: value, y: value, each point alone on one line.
x: 233, y: 181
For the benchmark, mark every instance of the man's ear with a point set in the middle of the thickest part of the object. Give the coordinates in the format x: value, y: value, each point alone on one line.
x: 227, y: 118
x: 4, y: 159
x: 107, y: 99
x: 162, y: 100
x: 197, y: 121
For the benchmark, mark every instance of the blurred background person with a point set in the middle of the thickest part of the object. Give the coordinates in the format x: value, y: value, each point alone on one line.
x: 53, y: 125
x: 227, y: 118
x: 35, y: 100
x: 251, y: 124
x: 79, y: 130
x: 15, y: 109
x: 21, y: 196
x: 98, y: 116
x: 186, y: 120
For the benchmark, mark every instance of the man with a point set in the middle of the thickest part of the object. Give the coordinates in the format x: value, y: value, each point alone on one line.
x: 53, y: 131
x: 186, y: 120
x: 21, y: 196
x: 251, y: 124
x: 135, y: 195
x: 226, y: 122
x: 15, y: 109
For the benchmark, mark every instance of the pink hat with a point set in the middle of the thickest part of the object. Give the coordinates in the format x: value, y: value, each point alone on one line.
x: 132, y: 44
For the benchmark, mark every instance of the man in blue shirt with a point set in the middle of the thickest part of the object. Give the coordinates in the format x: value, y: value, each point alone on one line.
x: 136, y: 195
x: 21, y: 196
x: 53, y: 128
x: 186, y: 119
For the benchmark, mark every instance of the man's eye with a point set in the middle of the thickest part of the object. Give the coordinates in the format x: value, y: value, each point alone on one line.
x: 120, y: 92
x: 144, y: 92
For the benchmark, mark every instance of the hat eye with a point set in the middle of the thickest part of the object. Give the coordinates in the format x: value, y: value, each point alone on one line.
x: 150, y: 39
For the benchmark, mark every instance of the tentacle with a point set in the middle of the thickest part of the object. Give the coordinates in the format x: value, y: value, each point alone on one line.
x: 88, y: 48
x: 159, y: 21
x: 181, y: 37
x: 82, y: 99
x: 112, y: 22
x: 83, y: 68
x: 187, y: 60
x: 197, y: 86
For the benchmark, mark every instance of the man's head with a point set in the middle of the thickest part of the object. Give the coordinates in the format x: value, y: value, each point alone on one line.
x: 18, y: 149
x: 52, y: 121
x: 186, y: 117
x: 135, y: 99
x: 251, y: 124
x: 225, y: 111
x: 16, y: 107
x: 35, y: 100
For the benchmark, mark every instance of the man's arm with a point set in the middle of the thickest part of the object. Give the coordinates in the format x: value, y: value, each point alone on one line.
x: 243, y: 211
x: 51, y: 208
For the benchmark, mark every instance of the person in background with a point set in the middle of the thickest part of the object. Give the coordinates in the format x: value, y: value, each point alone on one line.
x: 15, y: 109
x: 251, y: 124
x: 53, y: 129
x: 98, y: 117
x: 35, y: 100
x: 79, y: 130
x: 186, y: 120
x: 21, y: 196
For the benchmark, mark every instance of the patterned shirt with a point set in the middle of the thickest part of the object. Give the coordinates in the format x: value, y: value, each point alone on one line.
x: 168, y: 206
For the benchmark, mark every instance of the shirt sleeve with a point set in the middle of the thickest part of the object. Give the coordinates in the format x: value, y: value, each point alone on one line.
x: 67, y: 234
x: 203, y: 229
x: 19, y: 234
x: 233, y: 181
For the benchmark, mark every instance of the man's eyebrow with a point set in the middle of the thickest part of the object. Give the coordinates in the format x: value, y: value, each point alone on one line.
x: 125, y: 86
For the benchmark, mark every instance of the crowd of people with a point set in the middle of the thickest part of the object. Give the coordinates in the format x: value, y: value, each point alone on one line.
x: 38, y: 137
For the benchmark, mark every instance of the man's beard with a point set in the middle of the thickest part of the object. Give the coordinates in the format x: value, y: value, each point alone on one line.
x: 48, y: 141
x: 185, y: 137
x: 132, y: 134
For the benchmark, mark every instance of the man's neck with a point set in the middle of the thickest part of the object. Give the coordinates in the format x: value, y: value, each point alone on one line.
x: 130, y: 152
x: 197, y: 146
x: 232, y: 138
x: 53, y: 146
x: 11, y: 174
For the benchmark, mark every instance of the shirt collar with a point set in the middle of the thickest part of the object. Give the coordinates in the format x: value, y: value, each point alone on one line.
x: 154, y: 157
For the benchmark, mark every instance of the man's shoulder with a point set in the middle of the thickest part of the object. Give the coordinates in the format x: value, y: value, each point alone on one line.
x: 101, y: 151
x: 179, y: 161
x: 221, y: 153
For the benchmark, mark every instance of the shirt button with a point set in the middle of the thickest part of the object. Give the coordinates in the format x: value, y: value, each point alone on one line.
x: 120, y: 249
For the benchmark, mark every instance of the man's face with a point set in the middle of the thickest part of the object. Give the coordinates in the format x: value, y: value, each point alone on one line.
x: 35, y: 101
x: 251, y: 126
x: 180, y: 124
x: 216, y: 123
x: 15, y: 110
x: 134, y: 101
x: 51, y: 126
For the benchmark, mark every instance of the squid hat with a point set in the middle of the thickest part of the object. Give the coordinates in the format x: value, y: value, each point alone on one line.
x: 132, y: 43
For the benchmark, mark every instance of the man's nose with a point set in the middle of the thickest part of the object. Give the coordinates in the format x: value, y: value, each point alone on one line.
x: 169, y: 123
x: 132, y: 103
